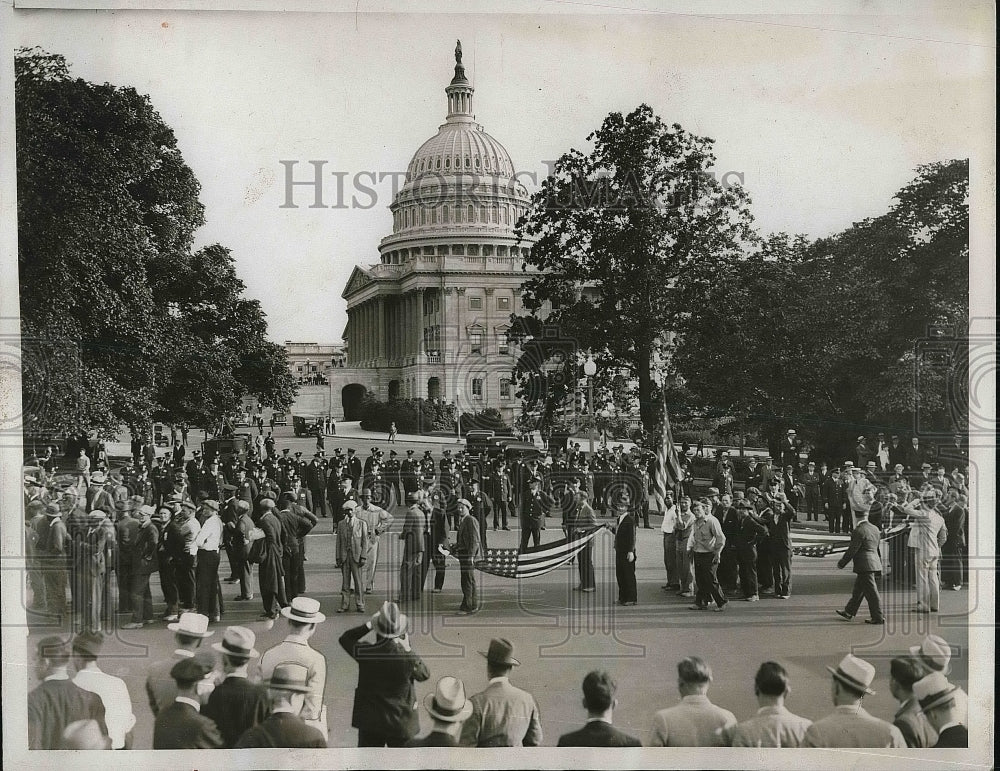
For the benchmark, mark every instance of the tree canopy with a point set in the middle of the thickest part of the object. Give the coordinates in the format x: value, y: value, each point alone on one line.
x: 828, y: 335
x: 122, y: 322
x: 622, y: 234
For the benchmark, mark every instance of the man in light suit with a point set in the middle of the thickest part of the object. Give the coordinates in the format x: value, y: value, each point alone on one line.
x: 502, y: 715
x: 599, y: 701
x: 864, y: 551
x: 695, y: 721
x: 352, y: 548
x: 850, y: 725
x: 180, y: 725
x: 773, y: 725
x: 928, y: 537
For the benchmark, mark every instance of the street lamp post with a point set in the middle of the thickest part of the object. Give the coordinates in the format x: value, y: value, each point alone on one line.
x: 590, y: 369
x: 458, y: 418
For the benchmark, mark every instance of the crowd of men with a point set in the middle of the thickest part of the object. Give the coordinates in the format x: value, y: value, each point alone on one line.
x: 230, y: 695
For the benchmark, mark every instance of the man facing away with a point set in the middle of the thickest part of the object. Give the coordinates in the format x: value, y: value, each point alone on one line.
x: 938, y: 702
x: 773, y: 725
x: 57, y: 701
x: 502, y: 715
x: 695, y: 722
x: 904, y: 671
x: 112, y: 690
x: 449, y: 709
x: 599, y: 701
x: 849, y: 725
x: 236, y: 704
x: 286, y: 692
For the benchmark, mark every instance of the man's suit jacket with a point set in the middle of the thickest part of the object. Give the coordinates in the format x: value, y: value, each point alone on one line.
x: 385, y: 701
x: 864, y: 549
x: 467, y: 543
x: 236, y: 705
x: 597, y: 733
x: 433, y: 739
x: 349, y: 544
x: 625, y: 536
x: 53, y: 705
x: 502, y: 716
x: 144, y: 549
x: 849, y: 727
x: 910, y: 721
x: 180, y: 726
x: 953, y: 736
x: 282, y: 729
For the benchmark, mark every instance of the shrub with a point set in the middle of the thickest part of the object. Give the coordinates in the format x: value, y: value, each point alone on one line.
x: 411, y: 416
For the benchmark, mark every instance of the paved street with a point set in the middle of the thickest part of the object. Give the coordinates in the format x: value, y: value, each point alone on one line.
x: 560, y: 634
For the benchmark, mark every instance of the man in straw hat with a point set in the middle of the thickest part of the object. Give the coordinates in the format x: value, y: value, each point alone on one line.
x: 286, y: 691
x: 180, y: 724
x: 189, y: 630
x: 599, y: 701
x: 849, y: 725
x: 302, y: 617
x: 934, y: 653
x: 448, y: 708
x: 385, y: 702
x: 236, y: 704
x: 502, y: 715
x: 939, y: 703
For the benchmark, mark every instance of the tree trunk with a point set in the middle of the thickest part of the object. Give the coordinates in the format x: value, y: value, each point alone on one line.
x: 649, y: 408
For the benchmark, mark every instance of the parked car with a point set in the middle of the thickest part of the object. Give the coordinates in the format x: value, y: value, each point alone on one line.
x: 280, y: 419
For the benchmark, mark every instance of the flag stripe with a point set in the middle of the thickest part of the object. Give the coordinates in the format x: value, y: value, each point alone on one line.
x: 667, y: 465
x: 508, y: 563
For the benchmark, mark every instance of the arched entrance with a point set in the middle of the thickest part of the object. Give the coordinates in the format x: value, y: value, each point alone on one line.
x: 352, y: 396
x: 433, y: 388
x: 393, y: 390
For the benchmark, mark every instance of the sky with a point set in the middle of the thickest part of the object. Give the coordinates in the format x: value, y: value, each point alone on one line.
x: 824, y: 115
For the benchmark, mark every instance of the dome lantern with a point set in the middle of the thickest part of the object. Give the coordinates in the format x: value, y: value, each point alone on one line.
x: 459, y: 92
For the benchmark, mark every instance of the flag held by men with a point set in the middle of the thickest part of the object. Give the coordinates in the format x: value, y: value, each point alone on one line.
x: 668, y: 473
x: 535, y: 560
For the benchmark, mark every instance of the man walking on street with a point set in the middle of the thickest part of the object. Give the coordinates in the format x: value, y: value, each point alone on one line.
x: 864, y: 551
x: 705, y: 546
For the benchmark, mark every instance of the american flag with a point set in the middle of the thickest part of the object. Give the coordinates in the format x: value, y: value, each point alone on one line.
x: 535, y: 560
x: 817, y: 544
x: 668, y: 472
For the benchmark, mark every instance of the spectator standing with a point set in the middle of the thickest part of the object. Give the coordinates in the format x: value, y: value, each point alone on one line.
x: 695, y: 721
x: 180, y: 725
x: 911, y: 722
x: 236, y: 704
x: 939, y: 704
x: 57, y: 701
x: 705, y: 545
x: 599, y: 700
x: 502, y: 714
x: 773, y: 725
x: 449, y: 709
x: 284, y: 727
x: 112, y: 690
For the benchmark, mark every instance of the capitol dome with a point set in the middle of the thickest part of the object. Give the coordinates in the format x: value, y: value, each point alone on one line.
x: 460, y: 183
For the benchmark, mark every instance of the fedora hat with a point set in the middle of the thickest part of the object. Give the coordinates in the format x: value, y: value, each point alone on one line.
x: 84, y: 735
x: 210, y: 504
x: 289, y: 677
x: 237, y: 641
x: 191, y: 625
x: 349, y: 505
x: 448, y: 702
x: 465, y: 504
x: 855, y: 673
x: 305, y: 610
x: 391, y: 622
x: 500, y: 652
x: 98, y: 478
x: 933, y: 651
x: 193, y: 669
x: 933, y: 691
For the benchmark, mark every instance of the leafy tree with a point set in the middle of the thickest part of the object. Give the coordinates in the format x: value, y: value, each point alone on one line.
x: 115, y: 329
x: 622, y: 235
x: 827, y: 335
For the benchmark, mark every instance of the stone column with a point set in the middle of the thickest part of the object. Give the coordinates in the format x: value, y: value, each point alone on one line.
x: 380, y: 310
x: 420, y: 322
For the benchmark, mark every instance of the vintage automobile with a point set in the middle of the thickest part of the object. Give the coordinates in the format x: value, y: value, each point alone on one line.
x: 280, y: 419
x: 225, y: 447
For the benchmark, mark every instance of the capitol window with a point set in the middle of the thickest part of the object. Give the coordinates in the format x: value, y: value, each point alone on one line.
x: 505, y: 387
x: 475, y: 342
x: 502, y: 346
x: 503, y: 303
x: 477, y: 388
x: 475, y: 303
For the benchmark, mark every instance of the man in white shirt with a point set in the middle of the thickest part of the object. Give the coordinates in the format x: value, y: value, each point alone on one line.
x: 860, y: 495
x: 928, y: 535
x: 773, y: 725
x: 667, y: 527
x: 379, y: 520
x: 112, y: 690
x: 207, y: 543
x: 695, y: 722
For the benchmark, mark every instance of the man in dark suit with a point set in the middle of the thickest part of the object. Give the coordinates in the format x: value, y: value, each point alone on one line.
x: 385, y: 700
x: 144, y: 563
x: 467, y: 547
x: 584, y: 520
x: 449, y: 709
x: 353, y: 468
x: 778, y: 518
x: 181, y: 726
x: 599, y: 701
x: 864, y: 551
x: 536, y: 507
x: 625, y: 553
x: 315, y: 478
x: 938, y: 702
x: 236, y: 704
x: 286, y: 690
x: 58, y: 701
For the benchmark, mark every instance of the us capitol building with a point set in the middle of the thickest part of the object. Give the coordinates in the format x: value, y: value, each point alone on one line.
x: 429, y: 320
